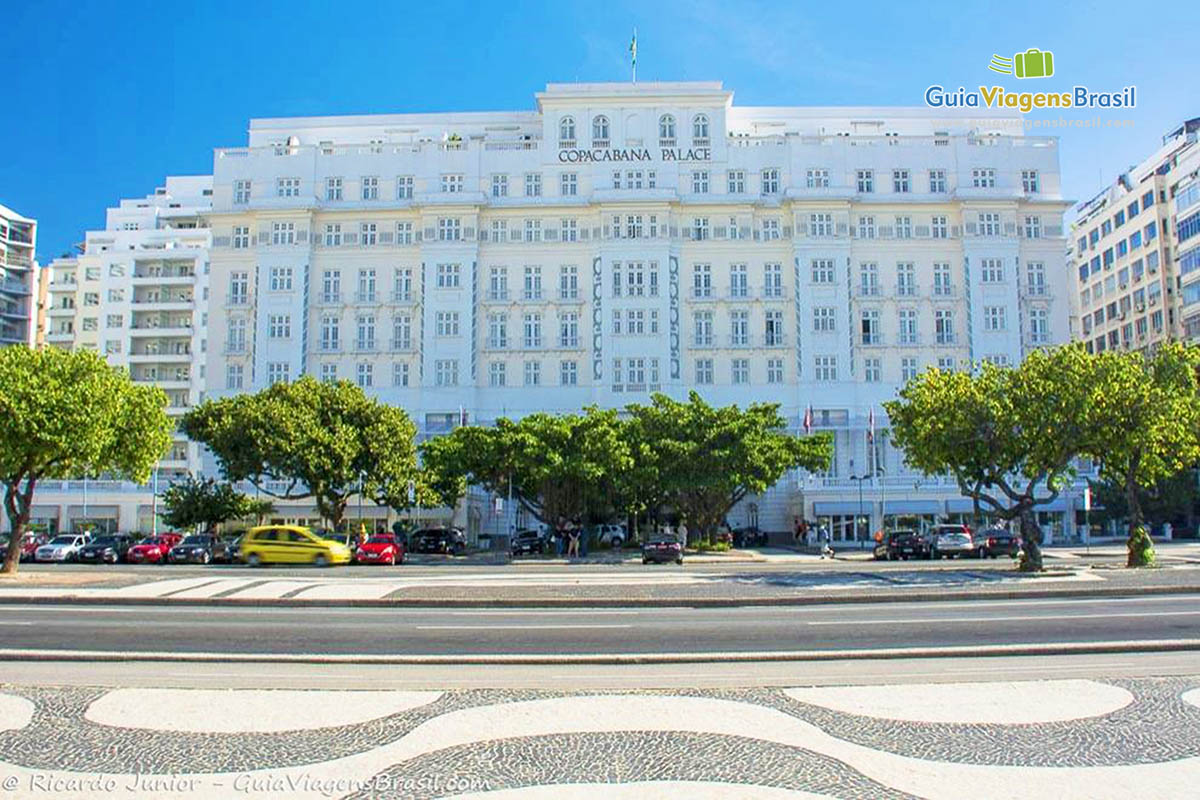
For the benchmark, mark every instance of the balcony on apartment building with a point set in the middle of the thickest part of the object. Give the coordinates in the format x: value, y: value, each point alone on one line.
x: 160, y: 272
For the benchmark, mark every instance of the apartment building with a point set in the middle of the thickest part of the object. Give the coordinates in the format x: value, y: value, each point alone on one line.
x: 622, y: 239
x: 19, y: 278
x: 1125, y: 252
x: 137, y: 293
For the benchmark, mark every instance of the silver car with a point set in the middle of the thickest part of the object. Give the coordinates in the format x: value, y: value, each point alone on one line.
x: 952, y: 544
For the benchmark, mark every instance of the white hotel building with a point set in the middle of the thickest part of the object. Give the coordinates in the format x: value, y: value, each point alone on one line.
x: 137, y: 293
x: 622, y: 239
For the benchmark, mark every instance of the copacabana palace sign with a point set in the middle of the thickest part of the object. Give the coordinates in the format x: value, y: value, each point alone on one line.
x: 574, y: 156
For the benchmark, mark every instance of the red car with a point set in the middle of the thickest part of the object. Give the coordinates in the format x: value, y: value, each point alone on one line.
x: 153, y: 550
x: 382, y: 548
x: 30, y: 542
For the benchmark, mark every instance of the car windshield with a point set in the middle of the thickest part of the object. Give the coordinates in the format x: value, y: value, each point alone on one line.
x: 104, y: 541
x: 381, y: 540
x: 195, y: 540
x: 63, y: 540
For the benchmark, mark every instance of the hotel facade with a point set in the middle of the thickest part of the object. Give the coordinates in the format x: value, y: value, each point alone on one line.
x: 625, y: 239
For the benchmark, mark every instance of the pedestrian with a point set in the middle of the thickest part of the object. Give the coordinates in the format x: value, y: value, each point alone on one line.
x: 583, y: 541
x: 682, y: 534
x: 572, y: 542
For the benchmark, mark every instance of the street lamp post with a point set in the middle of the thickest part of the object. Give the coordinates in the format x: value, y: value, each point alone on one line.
x: 859, y: 479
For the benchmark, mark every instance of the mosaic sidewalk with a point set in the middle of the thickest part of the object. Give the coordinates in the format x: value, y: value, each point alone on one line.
x: 1058, y: 739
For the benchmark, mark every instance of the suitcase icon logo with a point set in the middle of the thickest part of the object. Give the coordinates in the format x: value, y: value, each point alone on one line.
x: 1033, y: 63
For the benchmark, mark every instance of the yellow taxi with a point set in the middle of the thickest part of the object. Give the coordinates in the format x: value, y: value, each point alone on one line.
x: 290, y: 544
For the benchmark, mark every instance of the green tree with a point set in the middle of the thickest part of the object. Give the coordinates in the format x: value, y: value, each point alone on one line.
x: 1166, y: 500
x: 560, y: 467
x: 705, y: 460
x: 1007, y: 435
x: 205, y: 502
x: 64, y: 414
x: 1145, y: 426
x: 320, y: 440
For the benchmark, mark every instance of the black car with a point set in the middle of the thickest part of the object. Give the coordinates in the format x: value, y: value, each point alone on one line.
x: 450, y: 541
x: 996, y: 542
x: 106, y: 549
x: 661, y: 549
x: 200, y: 549
x: 528, y: 541
x: 903, y: 544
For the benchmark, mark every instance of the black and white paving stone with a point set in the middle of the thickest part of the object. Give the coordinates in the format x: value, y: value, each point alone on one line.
x: 1117, y: 738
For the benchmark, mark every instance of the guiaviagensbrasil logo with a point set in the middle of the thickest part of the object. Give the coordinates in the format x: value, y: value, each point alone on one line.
x: 1033, y: 63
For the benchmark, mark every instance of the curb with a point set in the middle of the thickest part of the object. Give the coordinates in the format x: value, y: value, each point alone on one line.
x: 921, y: 596
x: 1061, y: 648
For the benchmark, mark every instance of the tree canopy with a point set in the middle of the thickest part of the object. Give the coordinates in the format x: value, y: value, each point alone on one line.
x: 1145, y: 426
x: 569, y: 468
x: 66, y: 414
x: 704, y: 459
x: 317, y: 439
x: 1008, y: 436
x: 205, y: 502
x: 560, y: 466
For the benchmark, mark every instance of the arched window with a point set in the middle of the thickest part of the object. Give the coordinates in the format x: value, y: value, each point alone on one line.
x: 700, y: 129
x: 566, y: 130
x: 600, y: 130
x: 666, y: 128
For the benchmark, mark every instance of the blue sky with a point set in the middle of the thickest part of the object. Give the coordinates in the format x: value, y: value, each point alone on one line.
x: 105, y: 99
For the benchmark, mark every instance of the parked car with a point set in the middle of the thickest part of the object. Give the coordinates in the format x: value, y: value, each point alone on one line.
x: 995, y: 542
x: 953, y: 545
x: 290, y: 544
x: 61, y: 548
x: 613, y: 535
x: 106, y: 549
x: 902, y: 544
x: 200, y: 548
x: 450, y: 541
x: 382, y: 548
x: 661, y: 548
x: 527, y: 541
x: 30, y: 542
x: 153, y: 550
x: 749, y: 536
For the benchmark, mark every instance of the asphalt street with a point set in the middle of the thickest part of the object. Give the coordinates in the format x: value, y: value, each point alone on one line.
x: 433, y: 631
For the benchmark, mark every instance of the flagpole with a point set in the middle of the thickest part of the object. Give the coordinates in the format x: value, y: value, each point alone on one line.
x: 633, y: 54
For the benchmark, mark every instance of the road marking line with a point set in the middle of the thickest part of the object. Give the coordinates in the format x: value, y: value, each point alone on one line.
x: 982, y: 619
x: 513, y: 627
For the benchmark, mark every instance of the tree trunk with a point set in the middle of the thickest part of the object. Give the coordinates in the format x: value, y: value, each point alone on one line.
x: 17, y: 505
x: 1139, y: 546
x: 1031, y: 539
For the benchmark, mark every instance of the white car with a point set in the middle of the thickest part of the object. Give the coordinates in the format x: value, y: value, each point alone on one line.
x: 61, y: 548
x: 611, y: 535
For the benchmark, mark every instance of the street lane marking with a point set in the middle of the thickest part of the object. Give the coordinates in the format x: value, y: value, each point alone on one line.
x: 514, y: 627
x: 982, y: 618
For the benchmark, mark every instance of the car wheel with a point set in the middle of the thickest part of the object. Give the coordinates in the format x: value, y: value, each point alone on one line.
x: 679, y: 561
x: 254, y: 560
x: 645, y: 561
x: 321, y: 560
